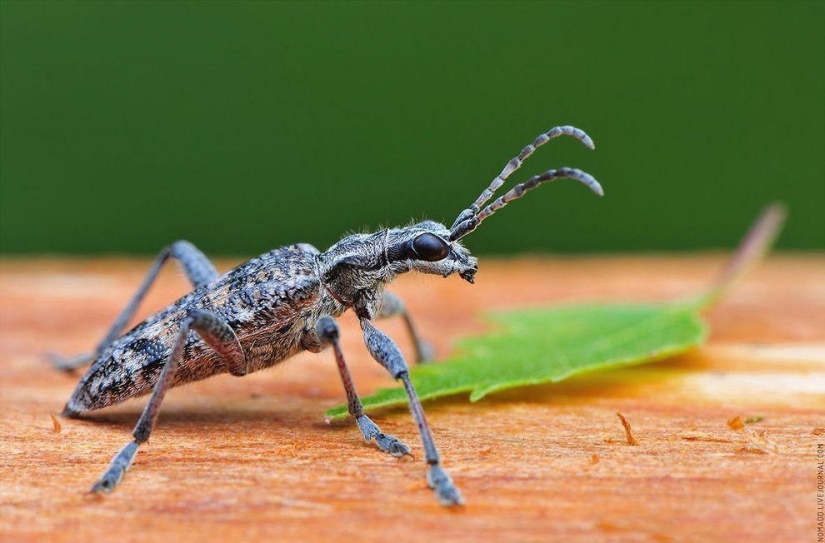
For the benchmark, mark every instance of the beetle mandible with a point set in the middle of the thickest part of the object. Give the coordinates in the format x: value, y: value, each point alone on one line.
x: 283, y: 302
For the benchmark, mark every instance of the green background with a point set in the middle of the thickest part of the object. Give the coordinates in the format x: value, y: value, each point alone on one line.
x: 246, y: 126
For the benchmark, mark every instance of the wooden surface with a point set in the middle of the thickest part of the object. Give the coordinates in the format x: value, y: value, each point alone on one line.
x: 252, y: 458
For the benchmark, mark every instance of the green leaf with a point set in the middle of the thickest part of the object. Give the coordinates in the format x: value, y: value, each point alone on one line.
x: 548, y: 345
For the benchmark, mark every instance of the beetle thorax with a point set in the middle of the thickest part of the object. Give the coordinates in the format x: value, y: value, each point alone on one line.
x: 356, y: 269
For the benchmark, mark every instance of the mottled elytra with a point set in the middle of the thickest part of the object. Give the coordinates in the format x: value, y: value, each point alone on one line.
x: 284, y: 302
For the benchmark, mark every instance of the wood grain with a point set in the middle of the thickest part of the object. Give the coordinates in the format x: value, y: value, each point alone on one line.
x: 252, y: 458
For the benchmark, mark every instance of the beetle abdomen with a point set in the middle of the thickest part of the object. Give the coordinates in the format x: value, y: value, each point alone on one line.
x: 264, y: 301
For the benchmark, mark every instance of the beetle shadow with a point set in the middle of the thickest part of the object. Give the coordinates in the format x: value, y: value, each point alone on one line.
x: 302, y: 412
x: 203, y: 414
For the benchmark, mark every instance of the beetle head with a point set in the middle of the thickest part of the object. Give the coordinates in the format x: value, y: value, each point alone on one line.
x: 361, y: 263
x: 355, y: 268
x: 427, y: 247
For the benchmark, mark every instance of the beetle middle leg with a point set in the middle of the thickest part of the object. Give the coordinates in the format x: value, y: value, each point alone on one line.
x: 220, y: 337
x: 327, y: 331
x: 391, y: 306
x: 198, y: 269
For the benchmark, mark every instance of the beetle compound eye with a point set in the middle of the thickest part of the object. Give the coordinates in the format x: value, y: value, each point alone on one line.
x: 430, y: 247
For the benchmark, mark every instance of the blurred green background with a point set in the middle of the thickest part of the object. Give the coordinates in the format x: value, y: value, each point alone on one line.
x: 245, y: 126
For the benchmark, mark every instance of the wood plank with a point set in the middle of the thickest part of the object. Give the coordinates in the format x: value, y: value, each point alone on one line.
x: 253, y: 458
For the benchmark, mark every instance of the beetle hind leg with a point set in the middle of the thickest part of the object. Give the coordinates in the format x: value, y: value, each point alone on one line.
x: 220, y: 337
x: 198, y: 269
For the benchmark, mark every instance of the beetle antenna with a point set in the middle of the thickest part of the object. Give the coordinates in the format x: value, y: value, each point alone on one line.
x: 469, y: 219
x: 516, y: 162
x: 551, y: 175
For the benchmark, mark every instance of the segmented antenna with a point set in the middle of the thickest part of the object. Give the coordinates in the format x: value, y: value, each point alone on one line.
x: 516, y: 162
x: 551, y: 175
x: 469, y: 219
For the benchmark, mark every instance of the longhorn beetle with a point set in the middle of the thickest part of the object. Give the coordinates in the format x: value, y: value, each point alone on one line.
x: 284, y: 302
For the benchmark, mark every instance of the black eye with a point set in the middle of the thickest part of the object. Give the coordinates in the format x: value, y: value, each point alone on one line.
x: 430, y: 247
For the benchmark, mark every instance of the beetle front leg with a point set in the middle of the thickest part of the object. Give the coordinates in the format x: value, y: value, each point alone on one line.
x: 198, y: 269
x: 386, y: 352
x: 327, y: 331
x: 391, y: 306
x: 220, y: 337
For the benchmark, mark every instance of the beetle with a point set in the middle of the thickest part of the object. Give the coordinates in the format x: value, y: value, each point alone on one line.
x: 284, y: 302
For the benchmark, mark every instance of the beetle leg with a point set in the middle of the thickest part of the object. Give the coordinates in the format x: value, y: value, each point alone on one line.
x: 327, y: 331
x: 198, y: 269
x: 386, y: 352
x: 214, y: 331
x: 391, y: 306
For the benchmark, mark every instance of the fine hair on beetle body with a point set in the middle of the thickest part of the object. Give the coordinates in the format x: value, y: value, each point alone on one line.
x: 284, y: 302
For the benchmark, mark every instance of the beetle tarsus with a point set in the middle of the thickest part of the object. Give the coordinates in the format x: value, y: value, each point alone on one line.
x: 385, y: 442
x: 70, y: 363
x: 117, y: 469
x: 441, y: 482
